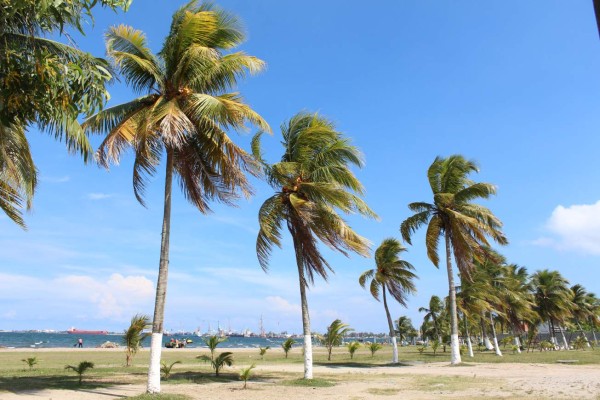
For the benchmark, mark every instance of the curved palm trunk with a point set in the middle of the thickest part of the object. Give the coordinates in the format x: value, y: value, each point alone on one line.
x: 454, y: 345
x: 496, y: 347
x: 391, y: 326
x: 161, y: 285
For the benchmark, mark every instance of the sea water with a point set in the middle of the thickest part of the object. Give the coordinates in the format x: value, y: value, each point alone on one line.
x: 43, y: 340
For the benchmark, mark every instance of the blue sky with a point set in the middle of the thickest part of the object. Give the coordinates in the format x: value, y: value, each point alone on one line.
x: 512, y: 84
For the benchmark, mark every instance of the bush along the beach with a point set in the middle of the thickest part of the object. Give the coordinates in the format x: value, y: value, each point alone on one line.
x: 80, y: 369
x: 165, y: 369
x: 245, y: 374
x: 31, y: 362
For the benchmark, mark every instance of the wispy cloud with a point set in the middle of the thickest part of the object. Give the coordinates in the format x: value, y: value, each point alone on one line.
x: 574, y: 228
x: 98, y: 196
x: 55, y: 179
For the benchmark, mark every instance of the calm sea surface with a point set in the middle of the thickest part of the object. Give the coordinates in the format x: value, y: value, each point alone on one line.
x: 48, y: 340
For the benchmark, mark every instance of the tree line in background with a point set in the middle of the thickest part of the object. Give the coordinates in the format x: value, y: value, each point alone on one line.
x: 186, y: 106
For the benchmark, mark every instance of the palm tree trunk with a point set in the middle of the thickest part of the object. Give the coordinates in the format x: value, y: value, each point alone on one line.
x: 161, y: 285
x: 562, y: 332
x: 454, y: 345
x: 552, y: 334
x: 587, y: 342
x: 496, y: 347
x: 308, y: 359
x: 516, y: 339
x: 469, y: 344
x: 391, y: 326
x: 484, y: 336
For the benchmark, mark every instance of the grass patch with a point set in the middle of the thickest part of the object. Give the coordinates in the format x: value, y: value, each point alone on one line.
x: 383, y: 392
x: 160, y: 396
x: 317, y: 382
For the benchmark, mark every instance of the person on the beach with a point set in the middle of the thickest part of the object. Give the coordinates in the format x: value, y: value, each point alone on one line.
x: 80, y: 342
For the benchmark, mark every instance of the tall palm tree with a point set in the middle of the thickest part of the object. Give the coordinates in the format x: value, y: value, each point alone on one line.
x: 594, y: 318
x: 183, y: 116
x: 313, y: 181
x: 553, y: 300
x: 582, y: 309
x: 517, y: 301
x: 464, y: 225
x: 473, y: 299
x: 393, y: 274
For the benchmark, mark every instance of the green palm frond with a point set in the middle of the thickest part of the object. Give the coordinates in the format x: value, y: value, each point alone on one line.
x: 129, y: 50
x: 18, y: 174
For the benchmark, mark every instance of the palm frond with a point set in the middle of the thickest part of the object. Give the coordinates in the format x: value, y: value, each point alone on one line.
x: 128, y: 48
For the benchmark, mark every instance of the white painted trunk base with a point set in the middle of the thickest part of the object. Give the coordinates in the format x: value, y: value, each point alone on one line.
x: 518, y: 344
x: 566, y: 344
x: 308, y: 358
x: 395, y: 350
x: 488, y: 345
x: 496, y: 347
x: 454, y: 350
x: 154, y: 368
x: 470, y: 347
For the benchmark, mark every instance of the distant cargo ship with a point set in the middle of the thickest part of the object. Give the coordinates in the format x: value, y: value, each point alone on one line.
x: 74, y: 331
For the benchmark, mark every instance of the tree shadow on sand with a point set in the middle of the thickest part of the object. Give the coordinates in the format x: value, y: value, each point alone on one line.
x: 34, y: 384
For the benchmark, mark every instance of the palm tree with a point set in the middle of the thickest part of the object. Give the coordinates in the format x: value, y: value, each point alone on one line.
x: 352, y: 347
x: 472, y: 301
x: 30, y: 361
x: 552, y: 300
x: 335, y: 335
x: 594, y: 318
x: 464, y: 225
x: 404, y: 327
x: 582, y: 310
x: 245, y: 374
x: 18, y: 175
x: 517, y: 302
x: 212, y: 342
x: 34, y: 92
x: 436, y: 308
x: 184, y: 116
x: 313, y: 182
x: 287, y: 346
x: 133, y: 336
x: 393, y: 274
x: 80, y: 368
x: 221, y: 360
x: 165, y: 369
x: 374, y: 347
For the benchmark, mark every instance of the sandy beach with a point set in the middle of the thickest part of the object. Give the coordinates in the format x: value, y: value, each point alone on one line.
x: 409, y: 381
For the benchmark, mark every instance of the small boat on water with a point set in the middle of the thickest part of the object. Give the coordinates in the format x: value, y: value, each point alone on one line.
x: 74, y: 331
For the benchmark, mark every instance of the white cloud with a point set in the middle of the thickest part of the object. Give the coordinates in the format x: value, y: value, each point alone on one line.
x: 280, y: 305
x: 114, y: 298
x: 98, y: 196
x: 576, y: 227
